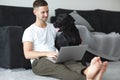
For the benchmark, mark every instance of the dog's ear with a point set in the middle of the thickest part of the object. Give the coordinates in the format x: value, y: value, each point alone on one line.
x: 71, y: 19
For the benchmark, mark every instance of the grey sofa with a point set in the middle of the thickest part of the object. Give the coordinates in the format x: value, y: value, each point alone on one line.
x: 13, y: 21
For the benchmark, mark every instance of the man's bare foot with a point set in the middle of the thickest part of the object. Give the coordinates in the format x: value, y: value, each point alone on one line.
x: 102, y: 70
x: 92, y: 71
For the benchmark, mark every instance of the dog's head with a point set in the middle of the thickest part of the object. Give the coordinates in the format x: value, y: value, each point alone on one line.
x: 63, y: 21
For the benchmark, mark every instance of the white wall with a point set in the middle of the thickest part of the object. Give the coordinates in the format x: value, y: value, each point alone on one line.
x: 69, y: 4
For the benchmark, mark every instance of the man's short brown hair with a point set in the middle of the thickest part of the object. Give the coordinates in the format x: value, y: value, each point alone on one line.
x: 38, y: 3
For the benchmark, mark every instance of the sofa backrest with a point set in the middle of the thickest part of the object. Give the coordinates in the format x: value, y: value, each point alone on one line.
x: 16, y: 16
x: 109, y: 20
x: 101, y: 20
x: 89, y: 15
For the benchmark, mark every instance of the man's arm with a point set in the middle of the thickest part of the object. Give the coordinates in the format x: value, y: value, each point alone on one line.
x: 29, y: 53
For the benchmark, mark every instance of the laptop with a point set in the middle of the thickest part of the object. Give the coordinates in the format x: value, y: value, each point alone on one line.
x: 67, y: 53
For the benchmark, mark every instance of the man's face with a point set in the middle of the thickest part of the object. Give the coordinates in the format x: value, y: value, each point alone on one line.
x: 42, y: 13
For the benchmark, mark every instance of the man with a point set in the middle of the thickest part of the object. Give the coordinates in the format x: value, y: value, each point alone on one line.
x: 38, y: 43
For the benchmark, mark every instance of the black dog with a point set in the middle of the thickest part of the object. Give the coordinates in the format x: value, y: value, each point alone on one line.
x: 69, y: 34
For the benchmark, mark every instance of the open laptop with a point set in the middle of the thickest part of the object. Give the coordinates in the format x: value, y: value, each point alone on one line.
x: 69, y: 53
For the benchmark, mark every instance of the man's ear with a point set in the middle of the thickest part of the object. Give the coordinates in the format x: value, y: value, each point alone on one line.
x: 35, y: 11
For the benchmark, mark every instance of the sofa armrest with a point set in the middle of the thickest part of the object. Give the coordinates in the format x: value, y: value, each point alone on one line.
x: 11, y: 51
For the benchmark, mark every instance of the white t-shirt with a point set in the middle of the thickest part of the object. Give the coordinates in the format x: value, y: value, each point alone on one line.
x: 43, y: 38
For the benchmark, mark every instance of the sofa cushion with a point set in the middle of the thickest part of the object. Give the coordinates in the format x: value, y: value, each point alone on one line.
x: 92, y: 18
x: 79, y: 20
x: 109, y: 21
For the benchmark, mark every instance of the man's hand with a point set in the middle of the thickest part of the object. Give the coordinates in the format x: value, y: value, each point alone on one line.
x: 52, y: 54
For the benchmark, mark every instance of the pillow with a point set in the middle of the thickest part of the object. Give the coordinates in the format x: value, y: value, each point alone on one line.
x: 84, y: 34
x: 79, y: 20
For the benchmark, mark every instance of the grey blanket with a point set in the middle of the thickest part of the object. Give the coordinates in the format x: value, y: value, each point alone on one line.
x: 101, y: 44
